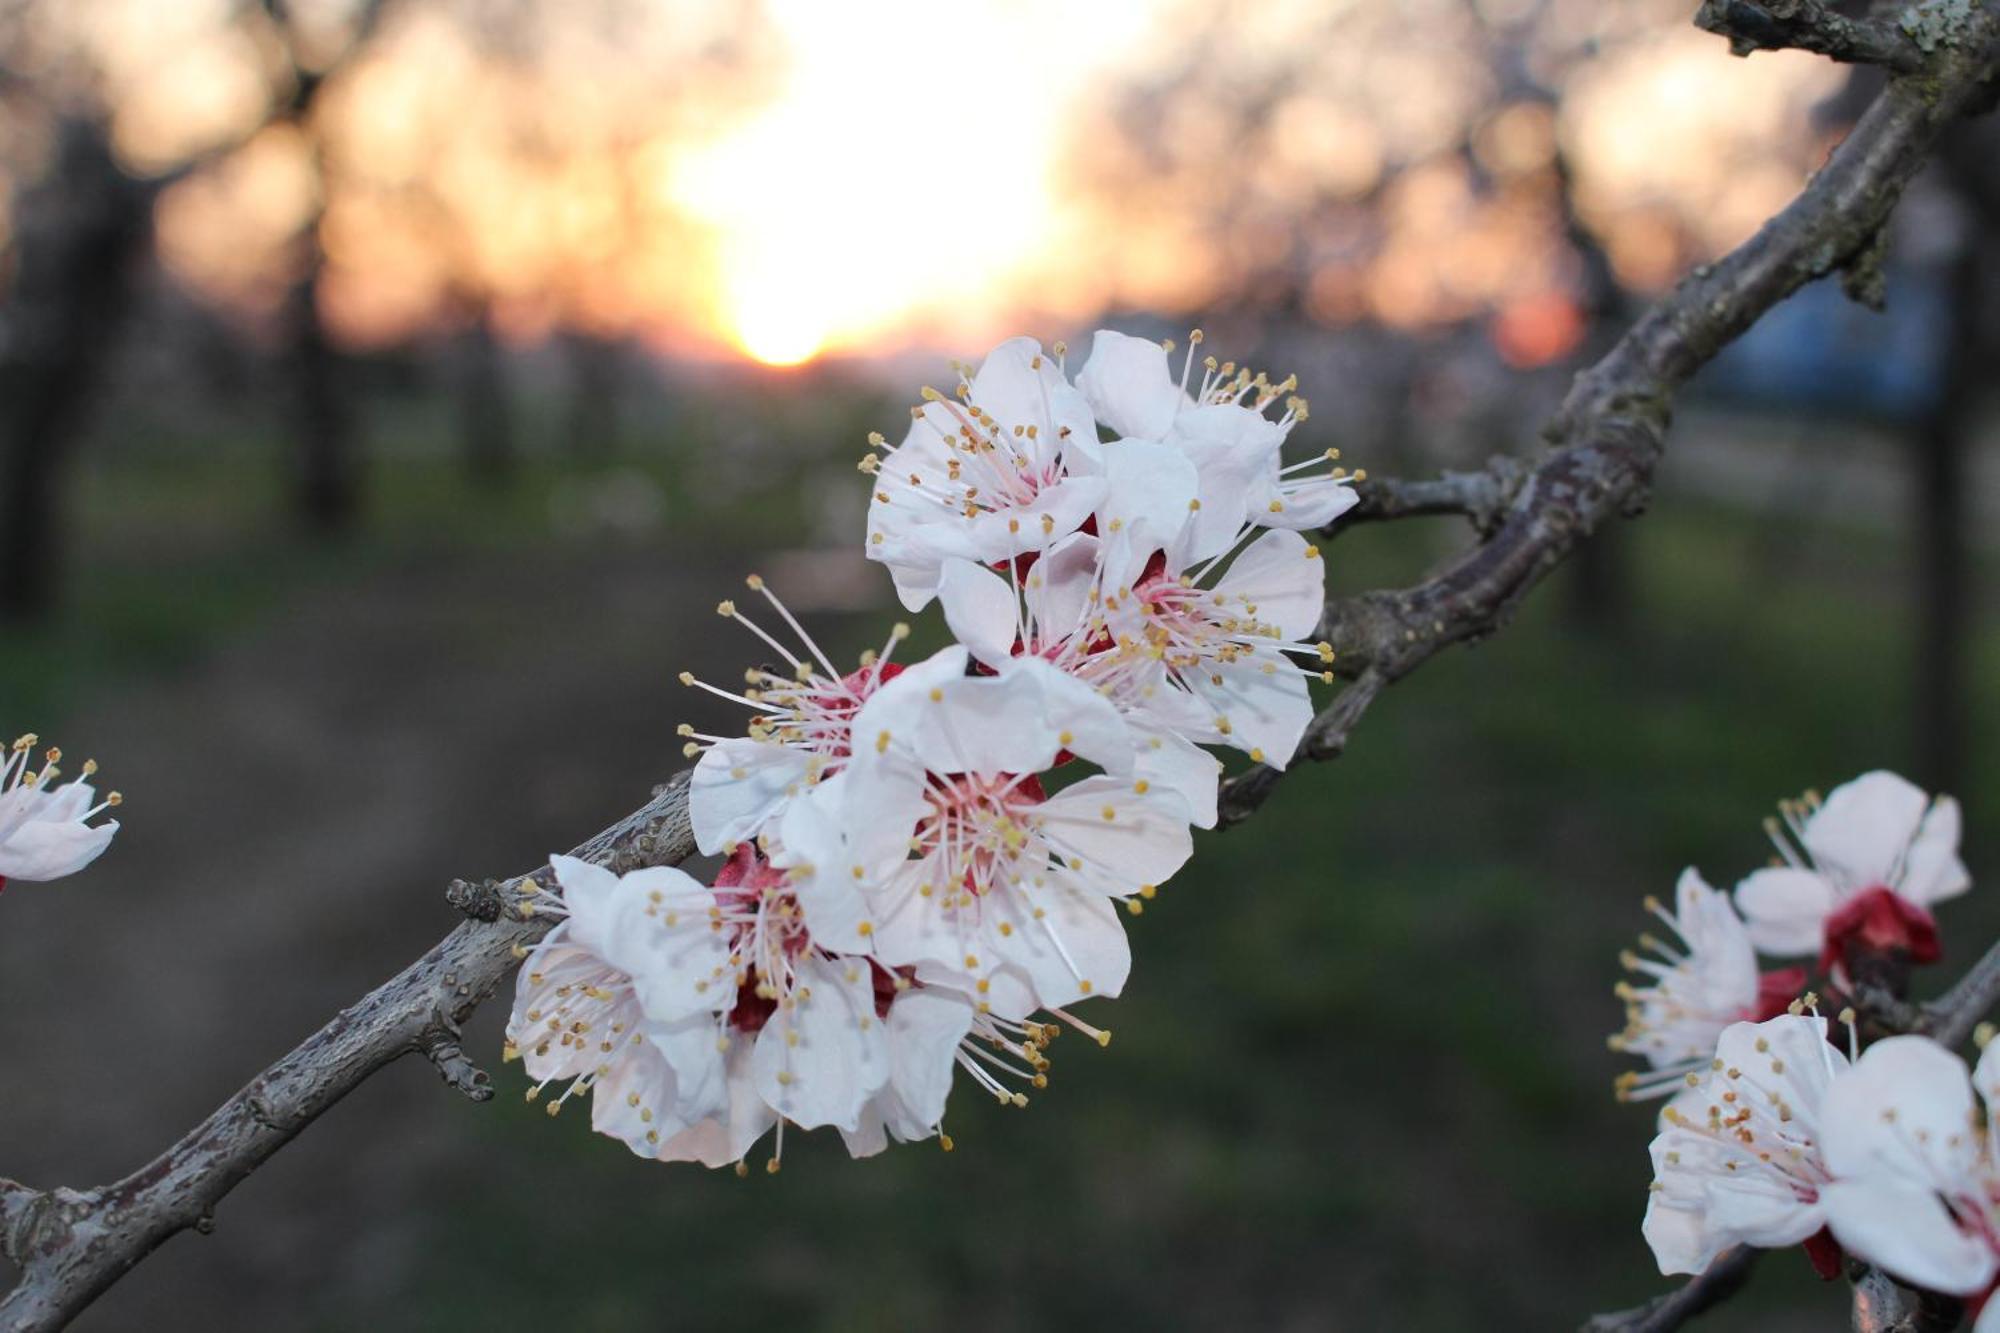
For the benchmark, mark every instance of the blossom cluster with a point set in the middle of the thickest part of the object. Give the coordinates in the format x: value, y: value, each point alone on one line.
x: 46, y: 828
x: 925, y: 862
x: 1776, y: 1136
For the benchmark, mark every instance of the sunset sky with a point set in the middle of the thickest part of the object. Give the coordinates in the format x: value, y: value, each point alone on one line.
x: 788, y: 179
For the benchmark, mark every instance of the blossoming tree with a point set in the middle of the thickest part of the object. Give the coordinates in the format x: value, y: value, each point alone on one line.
x: 925, y: 862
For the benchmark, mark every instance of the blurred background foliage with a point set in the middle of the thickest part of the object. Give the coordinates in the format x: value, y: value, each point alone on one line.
x: 389, y: 390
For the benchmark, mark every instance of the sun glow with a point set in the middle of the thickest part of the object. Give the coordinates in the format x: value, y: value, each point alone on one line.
x: 902, y: 173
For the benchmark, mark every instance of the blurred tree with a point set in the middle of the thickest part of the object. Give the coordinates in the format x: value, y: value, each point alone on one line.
x: 329, y: 465
x: 78, y: 233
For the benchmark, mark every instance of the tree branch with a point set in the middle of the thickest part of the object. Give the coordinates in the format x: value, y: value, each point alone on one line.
x: 1606, y: 439
x: 1610, y: 431
x: 1952, y: 1016
x: 1481, y: 496
x: 73, y: 1244
x: 1723, y: 1279
x: 1808, y: 25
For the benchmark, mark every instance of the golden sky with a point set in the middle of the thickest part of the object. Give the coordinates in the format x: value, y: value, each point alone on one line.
x: 783, y: 179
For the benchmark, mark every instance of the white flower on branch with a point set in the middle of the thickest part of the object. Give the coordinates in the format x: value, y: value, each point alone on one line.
x: 1863, y: 868
x: 1918, y: 1192
x: 1699, y: 986
x: 1219, y: 425
x: 939, y: 849
x: 45, y: 828
x: 1739, y: 1159
x: 798, y: 733
x: 984, y: 474
x: 699, y: 1018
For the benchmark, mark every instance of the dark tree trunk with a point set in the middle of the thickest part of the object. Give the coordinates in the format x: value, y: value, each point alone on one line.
x: 592, y: 428
x: 486, y: 416
x: 81, y: 232
x: 329, y: 471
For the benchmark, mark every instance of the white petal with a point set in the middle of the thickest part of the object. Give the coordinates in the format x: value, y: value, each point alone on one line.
x: 1129, y: 386
x: 1144, y: 841
x: 39, y: 851
x: 657, y: 931
x: 1267, y: 711
x: 1275, y: 574
x: 1309, y: 504
x: 1013, y: 722
x: 870, y: 1136
x: 1862, y: 832
x: 1932, y: 871
x: 982, y: 609
x: 1149, y: 494
x: 1234, y: 451
x: 1055, y: 512
x: 1756, y: 1212
x: 820, y: 1059
x: 1057, y: 590
x: 1903, y: 1112
x: 925, y: 1027
x: 635, y: 1099
x: 738, y: 785
x: 1680, y: 1237
x: 694, y: 1049
x: 1175, y: 764
x: 1077, y: 948
x: 1786, y: 909
x: 813, y: 842
x: 587, y: 891
x: 1903, y: 1227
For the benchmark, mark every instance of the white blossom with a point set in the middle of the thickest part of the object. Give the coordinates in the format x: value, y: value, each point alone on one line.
x: 996, y: 469
x: 45, y: 826
x: 1700, y: 983
x: 1918, y: 1188
x: 939, y: 849
x: 1873, y: 857
x: 1739, y: 1156
x: 1219, y: 424
x: 798, y: 731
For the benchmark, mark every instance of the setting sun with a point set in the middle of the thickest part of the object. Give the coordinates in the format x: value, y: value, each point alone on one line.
x: 871, y: 193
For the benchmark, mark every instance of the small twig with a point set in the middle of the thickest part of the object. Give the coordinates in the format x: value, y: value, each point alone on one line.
x: 441, y: 1046
x: 1808, y: 25
x: 1722, y: 1279
x: 1481, y: 496
x: 1951, y: 1017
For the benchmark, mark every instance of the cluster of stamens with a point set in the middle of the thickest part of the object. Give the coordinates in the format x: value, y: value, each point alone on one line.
x: 809, y: 706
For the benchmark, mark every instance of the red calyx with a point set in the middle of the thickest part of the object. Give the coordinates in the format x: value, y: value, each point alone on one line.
x: 1776, y: 990
x: 1825, y: 1253
x: 1876, y: 923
